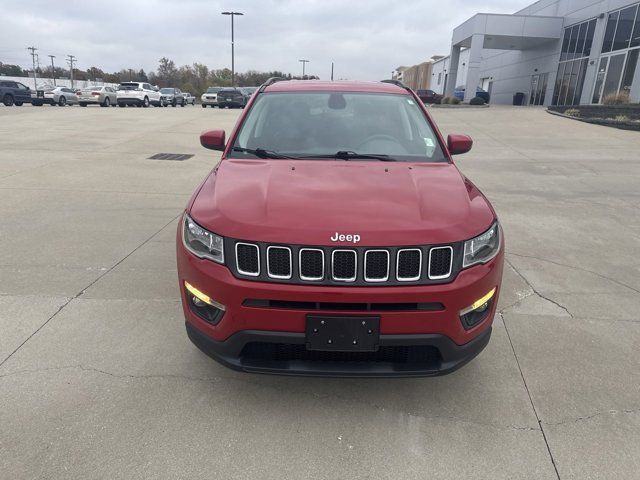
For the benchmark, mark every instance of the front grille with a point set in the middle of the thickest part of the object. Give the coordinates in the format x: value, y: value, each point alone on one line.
x: 440, y: 260
x: 409, y: 264
x: 311, y: 264
x: 376, y: 265
x: 344, y: 264
x: 337, y: 266
x: 352, y: 307
x: 279, y: 262
x: 248, y: 259
x: 424, y: 355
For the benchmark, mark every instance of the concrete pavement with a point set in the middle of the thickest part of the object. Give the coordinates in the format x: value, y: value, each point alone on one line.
x: 98, y: 378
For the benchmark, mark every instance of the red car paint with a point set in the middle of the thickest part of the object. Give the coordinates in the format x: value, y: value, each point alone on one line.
x: 306, y: 202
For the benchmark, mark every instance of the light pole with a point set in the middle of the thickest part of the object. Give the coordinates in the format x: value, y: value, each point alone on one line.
x: 304, y: 62
x: 233, y: 67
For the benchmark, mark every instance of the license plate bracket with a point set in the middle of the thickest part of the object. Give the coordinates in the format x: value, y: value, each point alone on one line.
x: 342, y: 333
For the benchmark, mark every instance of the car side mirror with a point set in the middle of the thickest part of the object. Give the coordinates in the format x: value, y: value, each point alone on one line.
x: 213, y: 139
x: 458, y: 144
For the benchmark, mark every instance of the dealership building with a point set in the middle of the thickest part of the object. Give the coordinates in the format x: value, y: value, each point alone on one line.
x: 556, y: 52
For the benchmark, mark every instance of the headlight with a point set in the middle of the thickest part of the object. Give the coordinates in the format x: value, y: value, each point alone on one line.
x: 201, y: 242
x: 482, y: 248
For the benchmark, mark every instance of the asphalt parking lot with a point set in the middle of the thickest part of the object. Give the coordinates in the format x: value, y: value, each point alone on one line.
x: 98, y: 378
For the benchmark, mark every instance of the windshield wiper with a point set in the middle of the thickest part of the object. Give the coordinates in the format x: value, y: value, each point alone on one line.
x: 262, y: 153
x: 349, y: 155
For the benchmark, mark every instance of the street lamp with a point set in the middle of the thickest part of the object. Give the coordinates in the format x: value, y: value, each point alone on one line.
x: 233, y: 68
x: 304, y: 62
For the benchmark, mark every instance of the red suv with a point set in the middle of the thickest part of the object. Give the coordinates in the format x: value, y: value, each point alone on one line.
x: 337, y: 237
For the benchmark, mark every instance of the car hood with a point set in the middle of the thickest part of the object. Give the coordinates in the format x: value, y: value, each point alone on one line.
x: 307, y: 202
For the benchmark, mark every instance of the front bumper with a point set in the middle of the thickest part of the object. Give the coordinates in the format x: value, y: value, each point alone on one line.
x: 278, y: 333
x: 233, y: 353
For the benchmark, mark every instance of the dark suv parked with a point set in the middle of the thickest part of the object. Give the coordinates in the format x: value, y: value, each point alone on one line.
x: 233, y: 97
x: 14, y: 93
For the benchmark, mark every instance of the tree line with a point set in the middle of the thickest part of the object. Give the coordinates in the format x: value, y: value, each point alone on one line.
x: 195, y: 78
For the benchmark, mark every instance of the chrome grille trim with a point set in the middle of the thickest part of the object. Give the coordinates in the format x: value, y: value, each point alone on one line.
x: 250, y: 274
x: 440, y: 277
x: 408, y: 279
x: 310, y: 279
x: 271, y: 275
x: 367, y: 279
x: 355, y: 268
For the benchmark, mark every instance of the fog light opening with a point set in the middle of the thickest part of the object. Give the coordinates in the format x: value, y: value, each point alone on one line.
x: 202, y: 305
x: 477, y: 311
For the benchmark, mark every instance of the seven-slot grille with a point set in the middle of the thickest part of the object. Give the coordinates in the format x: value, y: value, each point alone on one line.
x: 360, y: 266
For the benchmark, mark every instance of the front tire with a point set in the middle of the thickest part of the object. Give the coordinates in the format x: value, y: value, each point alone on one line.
x: 107, y: 102
x: 83, y: 104
x: 204, y: 106
x: 145, y: 102
x: 122, y: 105
x: 62, y: 101
x: 8, y: 100
x: 18, y: 104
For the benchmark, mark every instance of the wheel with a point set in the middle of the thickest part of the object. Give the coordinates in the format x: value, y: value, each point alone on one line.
x: 62, y: 101
x: 121, y: 105
x: 204, y: 106
x: 145, y: 102
x: 182, y: 103
x: 18, y: 104
x: 107, y: 102
x: 83, y: 104
x: 8, y: 100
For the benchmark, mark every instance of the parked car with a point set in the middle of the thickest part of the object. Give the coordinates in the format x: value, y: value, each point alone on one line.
x: 139, y: 94
x: 233, y: 97
x: 210, y: 97
x: 459, y: 93
x: 173, y: 96
x: 429, y: 96
x: 188, y: 98
x: 98, y: 95
x: 14, y: 93
x: 56, y: 95
x: 333, y: 262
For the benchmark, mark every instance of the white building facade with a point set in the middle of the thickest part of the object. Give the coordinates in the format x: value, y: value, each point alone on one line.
x: 556, y: 52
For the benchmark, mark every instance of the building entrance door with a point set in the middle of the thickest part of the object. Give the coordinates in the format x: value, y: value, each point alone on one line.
x: 538, y: 88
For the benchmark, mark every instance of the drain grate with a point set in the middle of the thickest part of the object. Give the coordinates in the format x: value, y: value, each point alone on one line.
x: 178, y: 157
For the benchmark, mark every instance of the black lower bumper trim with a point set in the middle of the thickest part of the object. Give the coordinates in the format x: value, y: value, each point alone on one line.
x: 284, y: 353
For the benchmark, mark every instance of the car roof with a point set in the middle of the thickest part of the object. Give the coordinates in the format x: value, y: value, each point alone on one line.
x: 340, y: 86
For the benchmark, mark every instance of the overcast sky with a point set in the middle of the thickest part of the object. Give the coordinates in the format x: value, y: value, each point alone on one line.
x: 367, y: 39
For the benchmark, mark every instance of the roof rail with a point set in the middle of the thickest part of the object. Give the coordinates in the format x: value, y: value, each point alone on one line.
x: 271, y: 81
x: 396, y: 82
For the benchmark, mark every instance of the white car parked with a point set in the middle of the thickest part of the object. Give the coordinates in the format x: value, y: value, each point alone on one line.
x: 210, y: 97
x: 140, y: 94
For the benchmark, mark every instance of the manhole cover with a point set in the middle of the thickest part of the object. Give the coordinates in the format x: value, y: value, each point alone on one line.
x: 178, y: 157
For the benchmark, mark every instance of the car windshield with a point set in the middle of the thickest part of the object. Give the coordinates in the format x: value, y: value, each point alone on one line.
x: 324, y: 124
x: 213, y: 89
x: 166, y: 90
x: 127, y: 86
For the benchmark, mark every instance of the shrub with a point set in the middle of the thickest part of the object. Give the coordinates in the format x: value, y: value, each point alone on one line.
x: 572, y: 112
x: 616, y: 98
x: 477, y: 101
x: 446, y: 100
x: 454, y: 101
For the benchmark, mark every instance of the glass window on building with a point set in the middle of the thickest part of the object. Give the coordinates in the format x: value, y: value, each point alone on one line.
x: 635, y: 36
x: 574, y: 55
x: 610, y: 32
x: 625, y: 28
x: 629, y: 70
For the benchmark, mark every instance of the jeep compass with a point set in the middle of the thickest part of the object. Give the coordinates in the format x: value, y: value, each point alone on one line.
x: 337, y: 237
